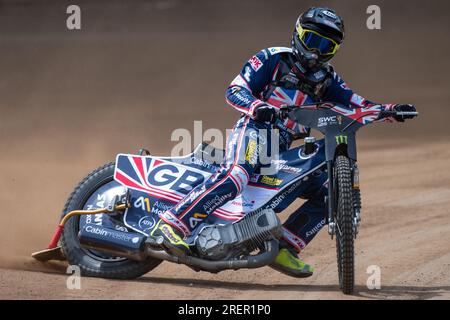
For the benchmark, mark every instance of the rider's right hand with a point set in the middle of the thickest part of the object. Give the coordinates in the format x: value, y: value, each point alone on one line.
x: 265, y: 113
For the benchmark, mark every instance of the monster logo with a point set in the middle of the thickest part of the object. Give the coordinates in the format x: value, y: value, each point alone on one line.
x: 341, y: 139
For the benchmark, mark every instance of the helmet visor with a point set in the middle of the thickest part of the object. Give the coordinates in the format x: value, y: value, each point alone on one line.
x: 314, y: 41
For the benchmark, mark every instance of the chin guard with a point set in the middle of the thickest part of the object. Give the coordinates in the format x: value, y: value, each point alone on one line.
x: 314, y: 82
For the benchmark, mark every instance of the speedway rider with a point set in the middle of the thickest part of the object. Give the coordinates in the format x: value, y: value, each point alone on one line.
x: 272, y: 78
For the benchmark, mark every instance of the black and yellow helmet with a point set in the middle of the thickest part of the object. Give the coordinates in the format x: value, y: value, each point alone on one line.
x: 317, y: 36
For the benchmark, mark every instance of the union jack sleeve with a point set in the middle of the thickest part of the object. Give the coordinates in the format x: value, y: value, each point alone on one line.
x: 341, y: 93
x: 244, y: 91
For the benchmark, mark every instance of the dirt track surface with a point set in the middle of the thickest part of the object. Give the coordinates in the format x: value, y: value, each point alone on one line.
x: 71, y: 100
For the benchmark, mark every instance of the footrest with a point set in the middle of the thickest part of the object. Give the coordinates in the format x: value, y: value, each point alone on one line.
x: 49, y: 254
x: 155, y: 242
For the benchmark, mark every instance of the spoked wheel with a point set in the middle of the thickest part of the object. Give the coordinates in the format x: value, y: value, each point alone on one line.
x: 344, y: 224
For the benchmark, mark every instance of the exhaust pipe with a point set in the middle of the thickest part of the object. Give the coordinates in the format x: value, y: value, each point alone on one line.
x: 257, y: 261
x: 138, y: 247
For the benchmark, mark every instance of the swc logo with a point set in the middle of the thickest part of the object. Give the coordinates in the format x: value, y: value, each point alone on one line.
x: 175, y: 178
x: 331, y: 120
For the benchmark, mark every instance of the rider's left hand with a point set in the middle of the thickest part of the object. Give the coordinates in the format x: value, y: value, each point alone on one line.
x: 404, y: 108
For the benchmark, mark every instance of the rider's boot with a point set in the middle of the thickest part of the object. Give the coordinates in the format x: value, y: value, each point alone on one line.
x: 173, y: 240
x: 287, y: 262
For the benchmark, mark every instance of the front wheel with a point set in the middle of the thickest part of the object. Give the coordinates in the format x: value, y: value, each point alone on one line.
x: 93, y: 192
x: 344, y: 223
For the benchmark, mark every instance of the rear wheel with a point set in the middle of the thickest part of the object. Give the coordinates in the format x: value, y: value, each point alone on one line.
x: 344, y: 224
x: 93, y: 192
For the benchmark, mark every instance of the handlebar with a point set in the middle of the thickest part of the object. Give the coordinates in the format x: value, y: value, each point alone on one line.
x: 284, y: 110
x: 401, y: 113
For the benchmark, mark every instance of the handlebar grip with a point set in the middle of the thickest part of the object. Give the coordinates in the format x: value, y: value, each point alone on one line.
x: 399, y: 113
x: 406, y: 113
x: 283, y: 112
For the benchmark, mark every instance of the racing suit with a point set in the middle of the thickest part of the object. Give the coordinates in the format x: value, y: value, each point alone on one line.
x: 269, y: 77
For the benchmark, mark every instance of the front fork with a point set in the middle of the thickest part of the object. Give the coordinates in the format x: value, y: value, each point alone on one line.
x: 331, y: 200
x: 356, y: 200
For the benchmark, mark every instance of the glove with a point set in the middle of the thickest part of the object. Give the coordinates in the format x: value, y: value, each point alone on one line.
x: 405, y: 108
x: 265, y: 113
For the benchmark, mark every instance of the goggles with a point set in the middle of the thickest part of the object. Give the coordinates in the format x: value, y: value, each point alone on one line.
x: 313, y: 40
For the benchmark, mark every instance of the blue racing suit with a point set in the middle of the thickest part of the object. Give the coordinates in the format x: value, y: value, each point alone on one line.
x: 269, y: 77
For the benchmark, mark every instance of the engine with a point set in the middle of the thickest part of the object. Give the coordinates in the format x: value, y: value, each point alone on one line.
x: 220, y: 242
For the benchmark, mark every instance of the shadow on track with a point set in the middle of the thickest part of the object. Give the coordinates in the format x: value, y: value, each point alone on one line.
x: 386, y: 292
x: 392, y: 292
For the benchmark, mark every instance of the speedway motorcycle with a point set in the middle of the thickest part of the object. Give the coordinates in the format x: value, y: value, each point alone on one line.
x: 106, y: 221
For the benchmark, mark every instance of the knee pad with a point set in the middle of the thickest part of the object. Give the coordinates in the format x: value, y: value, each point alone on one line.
x: 239, y: 176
